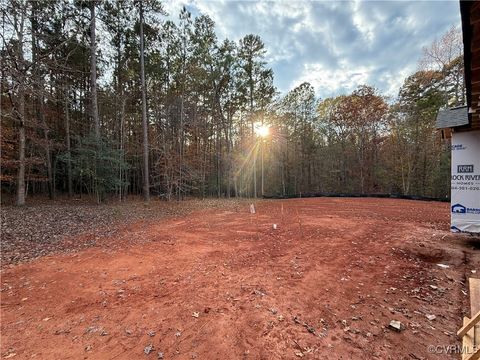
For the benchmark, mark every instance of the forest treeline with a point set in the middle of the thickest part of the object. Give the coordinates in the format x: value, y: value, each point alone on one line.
x: 110, y: 98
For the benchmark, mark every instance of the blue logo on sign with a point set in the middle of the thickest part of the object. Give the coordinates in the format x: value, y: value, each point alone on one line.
x: 459, y: 209
x: 457, y: 147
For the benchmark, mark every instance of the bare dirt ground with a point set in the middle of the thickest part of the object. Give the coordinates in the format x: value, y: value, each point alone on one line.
x: 223, y: 284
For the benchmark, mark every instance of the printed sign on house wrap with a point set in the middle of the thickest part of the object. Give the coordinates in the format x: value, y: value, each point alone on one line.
x: 465, y: 206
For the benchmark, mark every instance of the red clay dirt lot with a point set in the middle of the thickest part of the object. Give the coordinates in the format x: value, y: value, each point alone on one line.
x: 223, y: 284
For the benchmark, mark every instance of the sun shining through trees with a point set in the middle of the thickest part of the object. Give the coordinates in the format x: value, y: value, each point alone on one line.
x: 246, y: 171
x: 262, y: 130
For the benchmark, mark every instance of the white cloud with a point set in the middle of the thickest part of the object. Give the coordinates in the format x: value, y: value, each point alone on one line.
x: 331, y: 82
x: 366, y: 27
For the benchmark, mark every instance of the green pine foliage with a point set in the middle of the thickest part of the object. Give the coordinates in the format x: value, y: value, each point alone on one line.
x: 96, y: 165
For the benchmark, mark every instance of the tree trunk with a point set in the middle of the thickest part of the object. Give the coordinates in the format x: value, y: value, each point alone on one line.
x: 180, y: 148
x: 93, y: 72
x: 251, y: 86
x: 21, y: 153
x: 263, y: 171
x: 48, y: 158
x: 68, y: 143
x: 21, y: 115
x: 146, y: 180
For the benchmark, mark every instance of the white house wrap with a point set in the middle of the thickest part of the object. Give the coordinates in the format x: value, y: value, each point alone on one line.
x: 465, y: 196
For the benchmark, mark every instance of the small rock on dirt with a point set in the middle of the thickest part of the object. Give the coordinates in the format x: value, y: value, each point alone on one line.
x: 431, y: 317
x: 258, y: 292
x: 396, y: 325
x: 148, y: 349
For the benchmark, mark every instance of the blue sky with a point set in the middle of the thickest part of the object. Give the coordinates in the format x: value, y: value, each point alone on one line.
x: 333, y: 45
